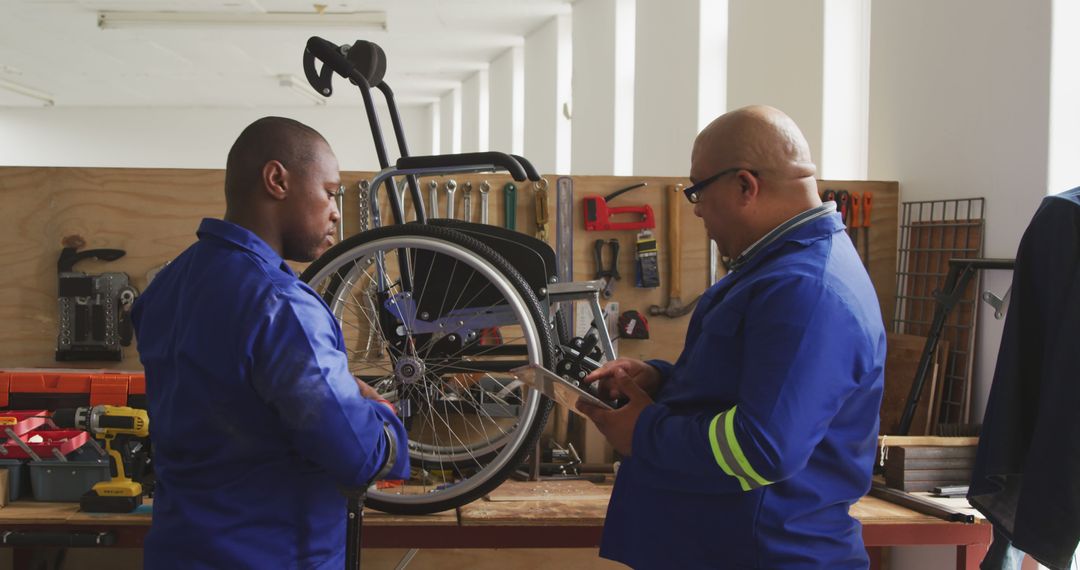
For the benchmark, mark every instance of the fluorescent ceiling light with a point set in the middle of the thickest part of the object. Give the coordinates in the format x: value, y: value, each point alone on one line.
x: 300, y: 87
x: 25, y: 91
x: 363, y: 20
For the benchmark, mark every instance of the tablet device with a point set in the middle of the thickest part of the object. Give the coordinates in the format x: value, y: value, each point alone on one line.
x: 556, y: 387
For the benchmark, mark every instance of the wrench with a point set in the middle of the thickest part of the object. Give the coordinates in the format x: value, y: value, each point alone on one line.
x: 401, y: 194
x: 433, y: 197
x: 451, y: 189
x: 466, y: 201
x: 484, y: 189
x: 540, y: 189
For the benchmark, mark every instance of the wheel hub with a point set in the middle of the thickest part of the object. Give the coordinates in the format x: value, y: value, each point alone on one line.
x: 409, y: 369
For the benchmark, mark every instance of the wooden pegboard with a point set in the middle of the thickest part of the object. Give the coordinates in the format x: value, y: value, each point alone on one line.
x: 153, y: 214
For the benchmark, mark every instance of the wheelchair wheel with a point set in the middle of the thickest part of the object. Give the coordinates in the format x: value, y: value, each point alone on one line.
x: 434, y: 320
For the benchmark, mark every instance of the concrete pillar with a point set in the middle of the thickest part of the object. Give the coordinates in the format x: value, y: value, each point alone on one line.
x: 450, y: 122
x: 506, y: 101
x: 680, y: 66
x: 845, y: 90
x: 547, y: 90
x: 1064, y: 93
x: 778, y: 61
x: 603, y: 87
x: 475, y: 109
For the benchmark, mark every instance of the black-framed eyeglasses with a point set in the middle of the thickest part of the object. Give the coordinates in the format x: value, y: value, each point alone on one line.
x: 692, y: 192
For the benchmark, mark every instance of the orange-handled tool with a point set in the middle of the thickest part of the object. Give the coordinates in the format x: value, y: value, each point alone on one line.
x: 867, y: 205
x: 856, y: 215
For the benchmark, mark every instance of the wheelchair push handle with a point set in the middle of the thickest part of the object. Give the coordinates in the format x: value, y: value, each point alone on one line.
x: 530, y: 171
x: 499, y: 159
x: 364, y: 63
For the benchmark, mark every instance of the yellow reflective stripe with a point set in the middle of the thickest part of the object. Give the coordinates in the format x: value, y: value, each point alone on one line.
x: 740, y: 458
x: 718, y: 452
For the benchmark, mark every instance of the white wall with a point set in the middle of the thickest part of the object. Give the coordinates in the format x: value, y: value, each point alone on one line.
x: 959, y: 107
x: 182, y: 137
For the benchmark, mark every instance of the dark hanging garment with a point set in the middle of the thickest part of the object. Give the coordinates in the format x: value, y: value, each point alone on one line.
x: 1027, y: 472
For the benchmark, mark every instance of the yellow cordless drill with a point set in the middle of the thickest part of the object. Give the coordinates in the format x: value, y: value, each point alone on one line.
x: 120, y: 494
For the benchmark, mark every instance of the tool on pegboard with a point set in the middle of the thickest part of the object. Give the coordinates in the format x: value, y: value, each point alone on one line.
x: 867, y: 206
x: 598, y: 214
x: 541, y: 199
x: 611, y: 273
x: 855, y: 225
x: 648, y: 272
x: 433, y: 197
x: 633, y: 324
x: 564, y: 242
x: 510, y: 206
x: 94, y: 320
x: 675, y: 307
x: 485, y: 187
x: 466, y: 201
x: 451, y: 190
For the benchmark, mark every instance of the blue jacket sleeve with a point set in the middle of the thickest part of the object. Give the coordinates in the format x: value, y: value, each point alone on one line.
x: 301, y: 370
x: 804, y: 353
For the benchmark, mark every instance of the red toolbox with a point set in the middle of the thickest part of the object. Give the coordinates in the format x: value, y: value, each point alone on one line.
x: 50, y: 388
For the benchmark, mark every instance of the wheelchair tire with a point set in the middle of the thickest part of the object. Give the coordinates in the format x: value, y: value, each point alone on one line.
x: 430, y: 348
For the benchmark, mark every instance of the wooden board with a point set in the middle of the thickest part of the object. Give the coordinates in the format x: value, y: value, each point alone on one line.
x: 34, y: 512
x: 901, y: 364
x: 153, y: 214
x: 589, y: 512
x: 910, y: 440
x: 377, y: 518
x: 872, y: 510
x: 549, y: 491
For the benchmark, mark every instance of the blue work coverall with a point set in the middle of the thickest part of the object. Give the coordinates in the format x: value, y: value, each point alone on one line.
x: 764, y: 430
x: 254, y: 416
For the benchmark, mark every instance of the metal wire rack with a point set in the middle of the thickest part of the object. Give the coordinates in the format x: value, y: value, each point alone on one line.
x: 931, y: 233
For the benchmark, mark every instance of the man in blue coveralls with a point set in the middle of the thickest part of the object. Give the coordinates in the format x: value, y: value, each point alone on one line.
x: 749, y: 449
x: 255, y: 418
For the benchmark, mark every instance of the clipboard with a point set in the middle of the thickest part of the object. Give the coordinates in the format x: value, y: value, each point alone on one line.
x: 556, y: 387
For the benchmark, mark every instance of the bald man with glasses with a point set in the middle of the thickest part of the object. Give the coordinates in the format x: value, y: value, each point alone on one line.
x: 748, y: 451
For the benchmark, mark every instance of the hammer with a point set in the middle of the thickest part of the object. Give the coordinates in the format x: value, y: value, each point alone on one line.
x: 675, y: 307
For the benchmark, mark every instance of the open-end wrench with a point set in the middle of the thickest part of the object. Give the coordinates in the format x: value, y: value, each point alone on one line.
x: 402, y: 182
x: 451, y: 189
x: 540, y: 194
x: 466, y: 201
x: 484, y: 189
x: 433, y: 197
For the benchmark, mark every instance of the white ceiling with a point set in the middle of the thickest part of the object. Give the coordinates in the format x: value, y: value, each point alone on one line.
x: 56, y: 47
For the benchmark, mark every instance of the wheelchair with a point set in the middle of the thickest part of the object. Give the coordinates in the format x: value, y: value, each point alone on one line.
x: 437, y: 312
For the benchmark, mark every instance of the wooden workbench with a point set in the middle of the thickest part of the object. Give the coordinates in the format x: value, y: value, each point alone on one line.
x: 553, y: 514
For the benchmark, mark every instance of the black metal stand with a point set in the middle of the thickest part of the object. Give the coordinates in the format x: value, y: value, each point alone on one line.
x: 354, y: 524
x: 960, y: 273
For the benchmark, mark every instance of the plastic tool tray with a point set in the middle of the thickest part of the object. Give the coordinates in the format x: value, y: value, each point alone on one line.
x: 21, y: 421
x: 63, y: 441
